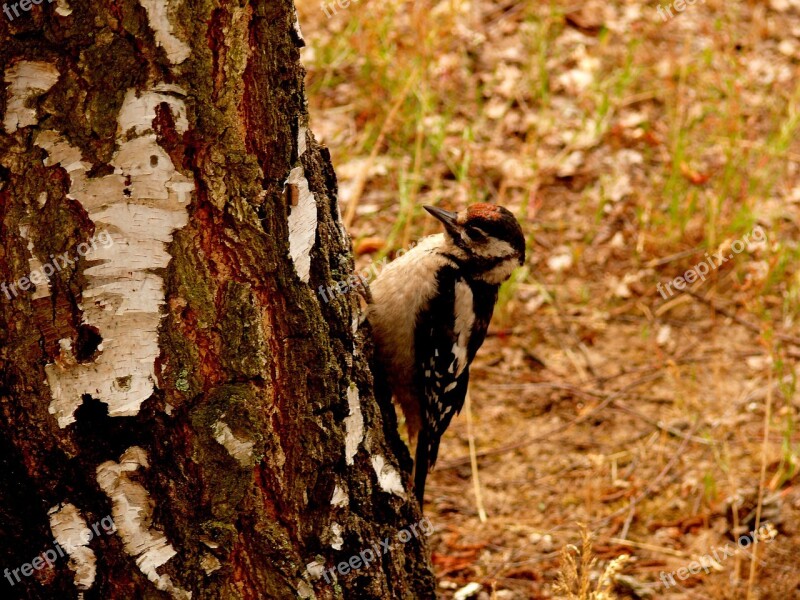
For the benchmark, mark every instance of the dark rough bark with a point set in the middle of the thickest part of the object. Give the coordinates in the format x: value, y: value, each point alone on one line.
x: 244, y: 345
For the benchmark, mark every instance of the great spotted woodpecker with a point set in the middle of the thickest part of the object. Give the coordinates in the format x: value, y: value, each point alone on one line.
x: 429, y: 314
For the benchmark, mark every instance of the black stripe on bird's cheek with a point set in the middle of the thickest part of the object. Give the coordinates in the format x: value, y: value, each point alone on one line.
x: 477, y: 265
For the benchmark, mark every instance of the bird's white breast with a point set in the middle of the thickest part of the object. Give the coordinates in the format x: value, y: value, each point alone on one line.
x: 399, y: 293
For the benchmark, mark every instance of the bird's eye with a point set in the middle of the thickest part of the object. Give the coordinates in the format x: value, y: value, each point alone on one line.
x: 475, y: 234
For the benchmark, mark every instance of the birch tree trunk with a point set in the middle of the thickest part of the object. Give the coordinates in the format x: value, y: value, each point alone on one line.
x: 182, y: 415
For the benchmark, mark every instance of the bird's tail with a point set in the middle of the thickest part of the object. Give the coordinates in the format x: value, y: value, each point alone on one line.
x: 421, y: 465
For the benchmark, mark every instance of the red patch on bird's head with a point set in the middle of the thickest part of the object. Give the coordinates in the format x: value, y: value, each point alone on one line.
x: 483, y: 210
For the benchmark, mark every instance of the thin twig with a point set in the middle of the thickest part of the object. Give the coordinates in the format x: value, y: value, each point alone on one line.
x: 651, y: 547
x: 657, y: 262
x: 662, y: 426
x: 681, y: 360
x: 531, y: 440
x: 762, y: 480
x: 361, y: 178
x: 744, y: 323
x: 476, y: 483
x: 626, y: 527
x: 617, y: 403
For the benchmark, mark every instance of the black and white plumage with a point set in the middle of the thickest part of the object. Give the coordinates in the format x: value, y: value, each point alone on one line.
x: 429, y: 314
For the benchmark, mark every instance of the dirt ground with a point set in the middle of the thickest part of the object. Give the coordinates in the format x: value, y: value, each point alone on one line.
x: 633, y: 146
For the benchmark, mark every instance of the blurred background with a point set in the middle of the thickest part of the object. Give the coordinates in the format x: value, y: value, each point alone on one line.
x: 633, y: 141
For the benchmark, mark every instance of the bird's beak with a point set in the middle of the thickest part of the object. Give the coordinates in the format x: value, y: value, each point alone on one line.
x: 447, y: 217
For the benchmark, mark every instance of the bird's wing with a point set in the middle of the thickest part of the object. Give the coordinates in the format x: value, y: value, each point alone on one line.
x: 449, y: 334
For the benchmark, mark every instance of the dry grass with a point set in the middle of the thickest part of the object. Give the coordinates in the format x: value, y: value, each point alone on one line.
x: 574, y: 578
x: 629, y: 148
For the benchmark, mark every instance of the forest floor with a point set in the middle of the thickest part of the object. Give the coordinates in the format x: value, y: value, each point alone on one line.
x: 633, y: 146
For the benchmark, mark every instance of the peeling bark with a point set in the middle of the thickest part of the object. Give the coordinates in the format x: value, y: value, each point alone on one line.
x: 165, y: 219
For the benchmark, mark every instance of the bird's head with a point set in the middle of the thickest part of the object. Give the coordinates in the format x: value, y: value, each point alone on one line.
x: 485, y: 239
